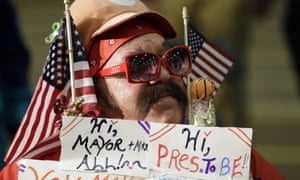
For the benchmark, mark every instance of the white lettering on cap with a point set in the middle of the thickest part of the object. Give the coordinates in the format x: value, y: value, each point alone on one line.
x: 124, y: 2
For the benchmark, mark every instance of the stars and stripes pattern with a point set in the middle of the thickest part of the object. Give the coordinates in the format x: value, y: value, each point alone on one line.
x: 209, y: 61
x: 37, y: 134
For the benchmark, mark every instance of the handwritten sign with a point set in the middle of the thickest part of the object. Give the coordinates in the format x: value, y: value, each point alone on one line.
x: 152, y: 150
x: 104, y: 145
x: 200, y: 152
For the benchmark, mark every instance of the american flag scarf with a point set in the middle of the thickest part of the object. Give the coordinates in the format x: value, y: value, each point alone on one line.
x: 37, y: 134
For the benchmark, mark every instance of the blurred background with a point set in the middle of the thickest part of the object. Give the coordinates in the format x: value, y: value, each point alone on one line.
x: 262, y: 90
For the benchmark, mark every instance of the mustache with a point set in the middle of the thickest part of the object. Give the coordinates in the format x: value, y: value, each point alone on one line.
x: 152, y: 93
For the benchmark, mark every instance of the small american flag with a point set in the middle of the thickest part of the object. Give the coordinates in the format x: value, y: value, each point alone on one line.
x: 37, y: 134
x: 209, y: 61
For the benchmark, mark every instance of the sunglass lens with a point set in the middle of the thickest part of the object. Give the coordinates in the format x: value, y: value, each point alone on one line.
x: 143, y: 67
x: 179, y: 61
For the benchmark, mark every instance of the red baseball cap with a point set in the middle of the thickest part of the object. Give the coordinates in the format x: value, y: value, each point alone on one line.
x: 94, y: 17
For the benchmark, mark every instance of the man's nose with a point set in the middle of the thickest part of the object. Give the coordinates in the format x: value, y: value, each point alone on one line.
x: 164, y: 75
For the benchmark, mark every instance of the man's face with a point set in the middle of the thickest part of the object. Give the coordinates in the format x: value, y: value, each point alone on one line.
x: 160, y: 100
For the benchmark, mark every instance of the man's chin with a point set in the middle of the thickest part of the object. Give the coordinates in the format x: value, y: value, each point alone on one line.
x: 166, y: 110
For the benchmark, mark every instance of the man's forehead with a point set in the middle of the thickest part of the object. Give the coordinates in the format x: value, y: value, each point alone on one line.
x: 151, y: 42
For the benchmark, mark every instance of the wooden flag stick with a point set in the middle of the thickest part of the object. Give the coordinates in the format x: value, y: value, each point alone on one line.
x: 70, y: 49
x: 185, y: 23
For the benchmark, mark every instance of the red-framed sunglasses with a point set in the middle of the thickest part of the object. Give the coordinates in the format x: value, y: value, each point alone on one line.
x: 144, y: 67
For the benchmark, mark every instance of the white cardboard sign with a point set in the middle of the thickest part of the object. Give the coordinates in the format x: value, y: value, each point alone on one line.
x: 141, y: 149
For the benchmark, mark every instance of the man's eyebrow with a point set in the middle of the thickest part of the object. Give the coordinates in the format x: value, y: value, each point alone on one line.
x: 166, y: 45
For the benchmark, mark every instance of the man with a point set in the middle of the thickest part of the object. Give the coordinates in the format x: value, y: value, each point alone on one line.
x: 136, y: 75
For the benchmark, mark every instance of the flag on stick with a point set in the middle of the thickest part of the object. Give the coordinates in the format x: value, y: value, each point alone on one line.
x: 37, y: 134
x: 209, y: 61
